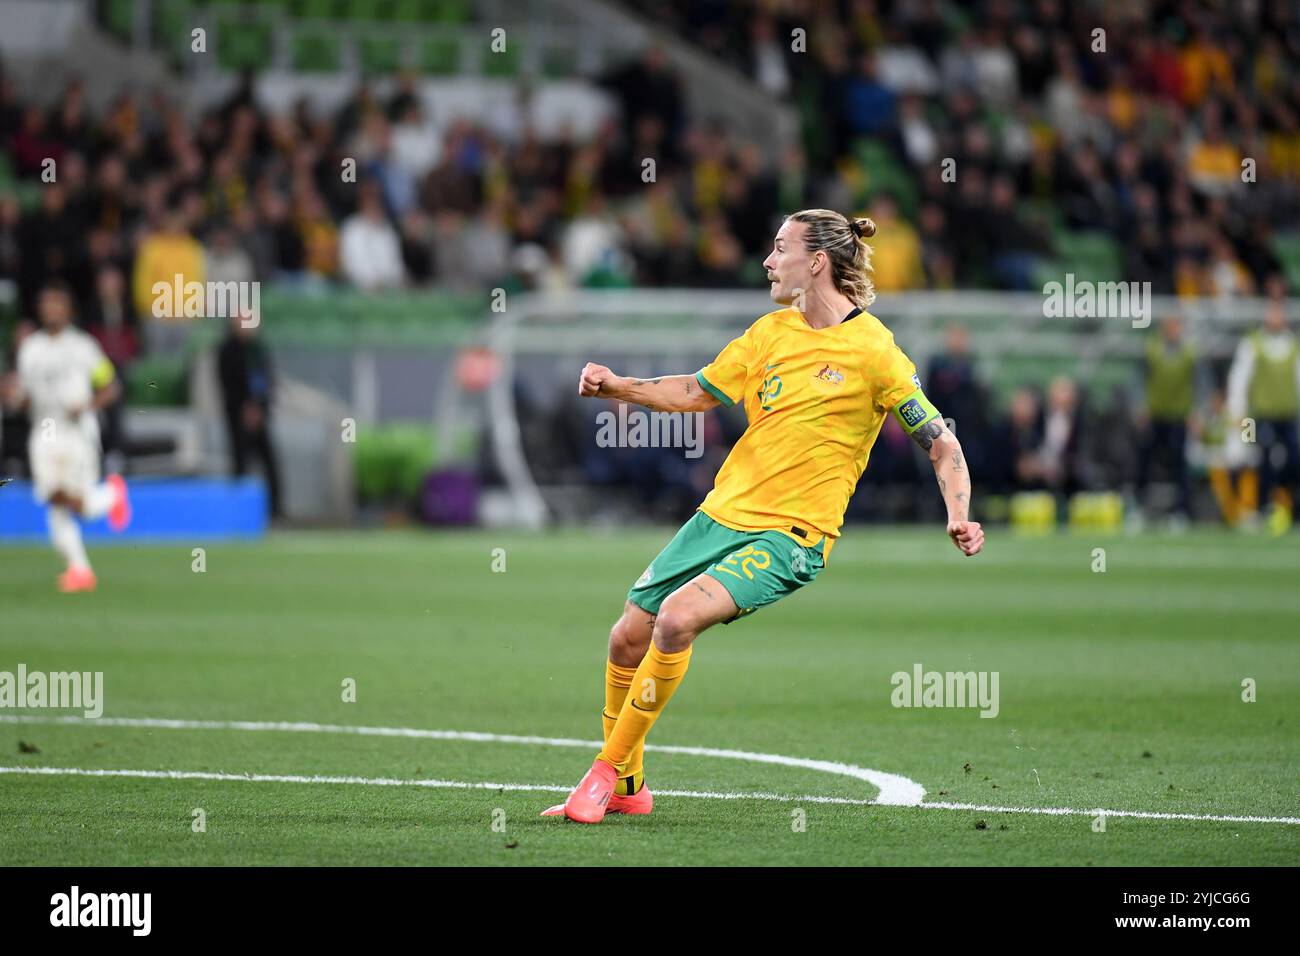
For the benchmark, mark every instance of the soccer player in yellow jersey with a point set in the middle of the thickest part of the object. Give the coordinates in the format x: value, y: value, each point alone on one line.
x: 816, y: 378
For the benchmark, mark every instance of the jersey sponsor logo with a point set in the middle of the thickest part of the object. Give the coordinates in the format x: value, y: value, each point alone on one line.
x: 646, y: 576
x: 828, y: 374
x: 912, y: 412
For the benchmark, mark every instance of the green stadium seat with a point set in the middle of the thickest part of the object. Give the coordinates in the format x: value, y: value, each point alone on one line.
x: 451, y: 11
x: 173, y: 21
x: 504, y: 64
x: 380, y: 54
x: 315, y: 9
x: 1043, y: 213
x: 244, y: 44
x: 560, y: 62
x: 369, y: 10
x: 29, y: 194
x: 884, y: 173
x: 871, y: 152
x: 1286, y: 246
x: 1089, y: 255
x: 315, y: 51
x: 119, y: 17
x: 413, y: 11
x: 440, y: 56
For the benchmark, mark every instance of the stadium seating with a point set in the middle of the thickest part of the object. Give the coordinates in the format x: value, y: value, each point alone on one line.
x: 316, y: 51
x: 1286, y: 246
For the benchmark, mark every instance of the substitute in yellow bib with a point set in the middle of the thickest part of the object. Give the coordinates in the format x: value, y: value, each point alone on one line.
x: 816, y: 379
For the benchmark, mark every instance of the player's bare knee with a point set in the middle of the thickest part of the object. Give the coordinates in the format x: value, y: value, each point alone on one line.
x: 675, y: 629
x: 629, y: 638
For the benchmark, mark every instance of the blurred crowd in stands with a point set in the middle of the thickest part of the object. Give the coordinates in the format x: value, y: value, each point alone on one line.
x: 1139, y: 130
x: 1142, y: 141
x: 1177, y: 141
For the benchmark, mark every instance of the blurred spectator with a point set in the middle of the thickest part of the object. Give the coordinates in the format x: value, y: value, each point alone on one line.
x: 1264, y: 385
x: 50, y: 244
x: 244, y: 367
x: 1225, y: 275
x: 167, y: 252
x: 417, y: 238
x: 769, y: 68
x: 591, y: 242
x: 417, y: 141
x: 1171, y: 367
x: 951, y: 382
x: 320, y: 237
x: 1017, y: 249
x: 1020, y: 439
x: 1059, y: 458
x: 11, y: 247
x: 226, y: 260
x: 649, y: 89
x: 279, y: 238
x: 110, y: 318
x: 112, y: 323
x: 869, y: 105
x: 895, y: 249
x: 920, y: 142
x: 369, y: 249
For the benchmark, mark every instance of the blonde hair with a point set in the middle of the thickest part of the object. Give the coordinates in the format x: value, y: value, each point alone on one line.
x: 841, y: 238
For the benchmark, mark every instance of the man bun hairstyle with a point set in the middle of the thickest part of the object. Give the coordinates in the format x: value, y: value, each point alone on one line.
x: 862, y: 228
x: 841, y: 238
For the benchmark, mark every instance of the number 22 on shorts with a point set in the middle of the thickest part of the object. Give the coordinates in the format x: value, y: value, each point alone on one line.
x: 747, y: 557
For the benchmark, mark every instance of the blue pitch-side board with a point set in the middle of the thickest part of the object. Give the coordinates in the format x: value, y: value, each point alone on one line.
x: 161, y: 508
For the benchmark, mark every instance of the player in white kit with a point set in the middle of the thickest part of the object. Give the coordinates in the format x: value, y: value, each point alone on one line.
x: 65, y: 379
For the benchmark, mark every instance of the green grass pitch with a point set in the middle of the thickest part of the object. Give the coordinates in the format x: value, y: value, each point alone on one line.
x: 1119, y: 690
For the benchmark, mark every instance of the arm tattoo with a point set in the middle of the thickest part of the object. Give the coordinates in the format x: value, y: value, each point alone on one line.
x: 956, y: 460
x: 925, y: 435
x: 690, y: 384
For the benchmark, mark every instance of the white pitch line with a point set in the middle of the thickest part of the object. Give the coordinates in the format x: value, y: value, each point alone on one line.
x: 396, y: 782
x: 548, y: 788
x: 1099, y: 812
x: 894, y: 790
x: 901, y: 791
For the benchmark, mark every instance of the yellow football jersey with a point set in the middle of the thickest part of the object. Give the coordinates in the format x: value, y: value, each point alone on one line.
x: 815, y: 400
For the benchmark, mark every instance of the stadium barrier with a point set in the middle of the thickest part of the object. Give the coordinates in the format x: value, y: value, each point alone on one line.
x: 193, y: 509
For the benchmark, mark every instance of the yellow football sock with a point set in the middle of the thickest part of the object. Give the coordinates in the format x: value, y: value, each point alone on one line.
x: 1225, y: 494
x: 652, y: 686
x: 617, y: 680
x: 1248, y: 491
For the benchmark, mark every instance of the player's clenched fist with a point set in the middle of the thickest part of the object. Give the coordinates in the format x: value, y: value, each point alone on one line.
x: 592, y: 378
x: 968, y: 536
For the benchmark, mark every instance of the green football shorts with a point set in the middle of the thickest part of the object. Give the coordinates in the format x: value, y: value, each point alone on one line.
x: 756, y: 567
